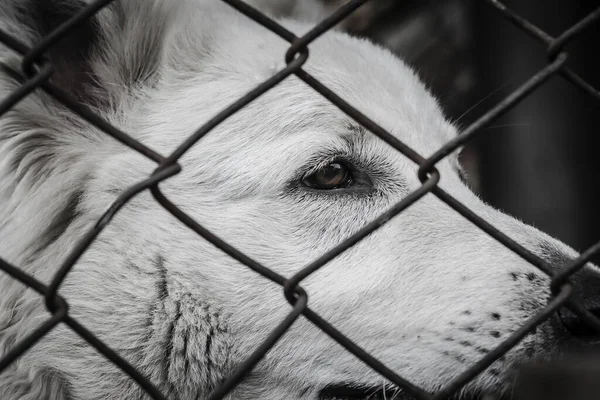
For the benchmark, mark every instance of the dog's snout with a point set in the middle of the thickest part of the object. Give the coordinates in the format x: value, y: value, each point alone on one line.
x: 586, y: 292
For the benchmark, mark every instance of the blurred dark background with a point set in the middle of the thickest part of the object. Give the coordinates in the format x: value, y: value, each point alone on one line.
x: 540, y: 161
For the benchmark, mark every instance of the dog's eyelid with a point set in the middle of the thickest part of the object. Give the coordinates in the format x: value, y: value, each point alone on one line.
x: 320, y: 161
x: 325, y: 162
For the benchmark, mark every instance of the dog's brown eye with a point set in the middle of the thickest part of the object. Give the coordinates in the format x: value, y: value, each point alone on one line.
x: 332, y: 176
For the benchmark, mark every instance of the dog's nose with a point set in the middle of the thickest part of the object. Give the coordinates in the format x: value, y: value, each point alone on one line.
x: 586, y: 291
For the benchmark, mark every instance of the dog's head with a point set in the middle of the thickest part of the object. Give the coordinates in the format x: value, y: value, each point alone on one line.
x: 284, y: 180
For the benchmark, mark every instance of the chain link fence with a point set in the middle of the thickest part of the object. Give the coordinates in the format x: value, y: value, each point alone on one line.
x: 35, y: 73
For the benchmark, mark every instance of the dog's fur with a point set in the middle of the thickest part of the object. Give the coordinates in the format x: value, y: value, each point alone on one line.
x: 428, y: 294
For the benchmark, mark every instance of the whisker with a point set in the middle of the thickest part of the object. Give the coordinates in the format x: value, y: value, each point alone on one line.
x: 458, y: 120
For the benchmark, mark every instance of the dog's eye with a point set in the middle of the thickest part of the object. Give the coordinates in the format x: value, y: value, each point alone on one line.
x: 332, y: 176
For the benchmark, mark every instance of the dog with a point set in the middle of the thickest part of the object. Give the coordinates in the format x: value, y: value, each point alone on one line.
x: 284, y: 180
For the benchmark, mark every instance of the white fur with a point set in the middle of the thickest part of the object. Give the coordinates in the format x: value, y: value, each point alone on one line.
x: 419, y: 293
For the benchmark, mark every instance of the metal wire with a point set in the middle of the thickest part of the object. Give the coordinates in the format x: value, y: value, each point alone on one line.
x: 36, y: 72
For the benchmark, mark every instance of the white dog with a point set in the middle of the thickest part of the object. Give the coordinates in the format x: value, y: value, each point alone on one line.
x: 284, y: 180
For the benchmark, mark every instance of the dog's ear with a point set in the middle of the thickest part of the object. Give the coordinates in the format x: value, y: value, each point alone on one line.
x: 118, y: 47
x: 32, y: 20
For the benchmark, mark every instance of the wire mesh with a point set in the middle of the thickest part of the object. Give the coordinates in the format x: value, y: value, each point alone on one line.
x: 36, y: 72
